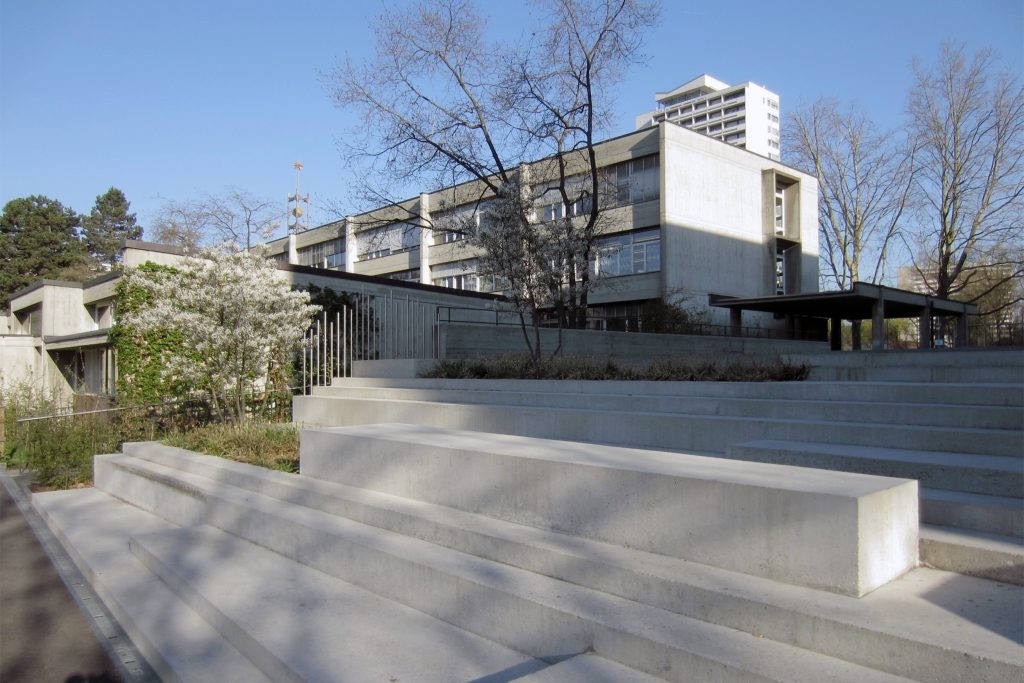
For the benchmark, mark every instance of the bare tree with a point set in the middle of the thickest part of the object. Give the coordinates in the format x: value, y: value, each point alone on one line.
x: 239, y: 219
x: 234, y: 219
x: 864, y: 179
x: 967, y: 121
x: 182, y: 224
x: 442, y: 106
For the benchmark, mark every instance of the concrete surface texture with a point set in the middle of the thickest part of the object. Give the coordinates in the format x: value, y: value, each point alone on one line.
x: 963, y: 440
x: 211, y: 542
x: 829, y: 530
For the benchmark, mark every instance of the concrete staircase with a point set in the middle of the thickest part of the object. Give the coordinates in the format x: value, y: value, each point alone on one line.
x: 973, y: 365
x: 964, y: 441
x: 364, y: 569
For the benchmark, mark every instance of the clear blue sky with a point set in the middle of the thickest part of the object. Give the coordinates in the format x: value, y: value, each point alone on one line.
x: 172, y: 99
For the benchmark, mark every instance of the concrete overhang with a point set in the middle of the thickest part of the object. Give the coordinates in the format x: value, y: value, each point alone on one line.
x: 854, y: 304
x: 155, y: 247
x: 78, y: 340
x: 704, y: 82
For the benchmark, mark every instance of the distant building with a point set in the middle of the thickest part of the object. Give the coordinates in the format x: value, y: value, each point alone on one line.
x: 745, y: 115
x: 685, y: 216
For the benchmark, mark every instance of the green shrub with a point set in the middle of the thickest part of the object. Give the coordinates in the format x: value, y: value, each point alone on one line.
x: 584, y: 368
x: 42, y: 435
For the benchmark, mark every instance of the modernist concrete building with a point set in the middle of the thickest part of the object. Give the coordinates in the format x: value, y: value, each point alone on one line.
x: 56, y: 337
x: 690, y: 217
x: 745, y: 115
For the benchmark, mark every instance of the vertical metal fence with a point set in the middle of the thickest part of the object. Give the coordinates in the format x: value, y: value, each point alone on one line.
x: 375, y: 327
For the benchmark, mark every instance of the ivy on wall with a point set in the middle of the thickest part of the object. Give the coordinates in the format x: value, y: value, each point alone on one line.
x: 142, y: 375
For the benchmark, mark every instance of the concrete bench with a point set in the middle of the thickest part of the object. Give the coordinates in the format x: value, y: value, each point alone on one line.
x: 842, y: 532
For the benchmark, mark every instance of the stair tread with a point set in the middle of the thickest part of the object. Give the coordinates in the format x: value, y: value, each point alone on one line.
x: 706, y: 640
x: 980, y: 499
x: 979, y: 393
x: 903, y: 609
x: 623, y: 414
x: 588, y: 668
x: 977, y: 540
x: 318, y: 627
x: 687, y: 397
x: 95, y: 528
x: 1005, y: 463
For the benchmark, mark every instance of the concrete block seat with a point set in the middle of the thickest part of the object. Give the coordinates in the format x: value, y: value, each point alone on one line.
x: 830, y: 530
x: 586, y: 610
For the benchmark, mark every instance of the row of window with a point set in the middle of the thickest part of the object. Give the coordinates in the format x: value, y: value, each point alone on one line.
x: 710, y: 102
x: 329, y: 254
x: 630, y: 253
x: 628, y: 182
x: 412, y: 275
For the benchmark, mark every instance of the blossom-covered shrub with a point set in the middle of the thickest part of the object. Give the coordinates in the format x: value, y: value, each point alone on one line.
x: 237, y: 320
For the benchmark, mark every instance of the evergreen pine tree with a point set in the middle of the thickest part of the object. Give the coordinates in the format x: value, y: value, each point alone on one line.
x: 107, y: 225
x: 38, y: 240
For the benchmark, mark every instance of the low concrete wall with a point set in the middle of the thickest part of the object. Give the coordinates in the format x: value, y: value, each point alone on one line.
x: 20, y: 362
x: 400, y: 369
x: 835, y: 531
x: 475, y: 341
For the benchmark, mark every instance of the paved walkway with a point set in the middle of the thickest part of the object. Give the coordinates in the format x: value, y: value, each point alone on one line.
x: 43, y: 634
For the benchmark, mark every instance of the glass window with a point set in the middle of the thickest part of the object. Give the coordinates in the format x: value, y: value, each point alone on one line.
x: 465, y: 281
x: 627, y: 254
x: 406, y: 275
x: 630, y: 182
x: 329, y: 254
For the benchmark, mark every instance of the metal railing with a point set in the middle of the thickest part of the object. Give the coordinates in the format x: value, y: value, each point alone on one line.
x: 375, y: 327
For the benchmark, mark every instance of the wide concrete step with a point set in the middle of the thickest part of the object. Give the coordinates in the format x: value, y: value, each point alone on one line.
x: 538, y: 615
x: 180, y: 645
x: 668, y: 503
x: 694, y: 433
x: 983, y: 474
x: 969, y: 634
x: 590, y: 668
x: 1008, y: 374
x: 299, y: 624
x: 1000, y: 515
x: 980, y: 394
x: 926, y: 414
x: 960, y: 365
x: 989, y: 556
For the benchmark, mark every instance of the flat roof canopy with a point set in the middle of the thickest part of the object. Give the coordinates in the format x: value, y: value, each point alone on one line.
x: 853, y: 304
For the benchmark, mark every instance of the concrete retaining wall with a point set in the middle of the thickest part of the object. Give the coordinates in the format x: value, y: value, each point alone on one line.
x: 474, y: 341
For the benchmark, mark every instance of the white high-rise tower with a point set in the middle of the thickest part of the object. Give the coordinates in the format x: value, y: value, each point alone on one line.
x: 745, y: 115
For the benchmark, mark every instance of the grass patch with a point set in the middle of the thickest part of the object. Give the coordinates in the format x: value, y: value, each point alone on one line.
x: 59, y: 450
x: 587, y: 368
x: 274, y: 446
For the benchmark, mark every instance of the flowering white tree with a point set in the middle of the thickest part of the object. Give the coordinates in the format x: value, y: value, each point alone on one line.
x: 239, y: 321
